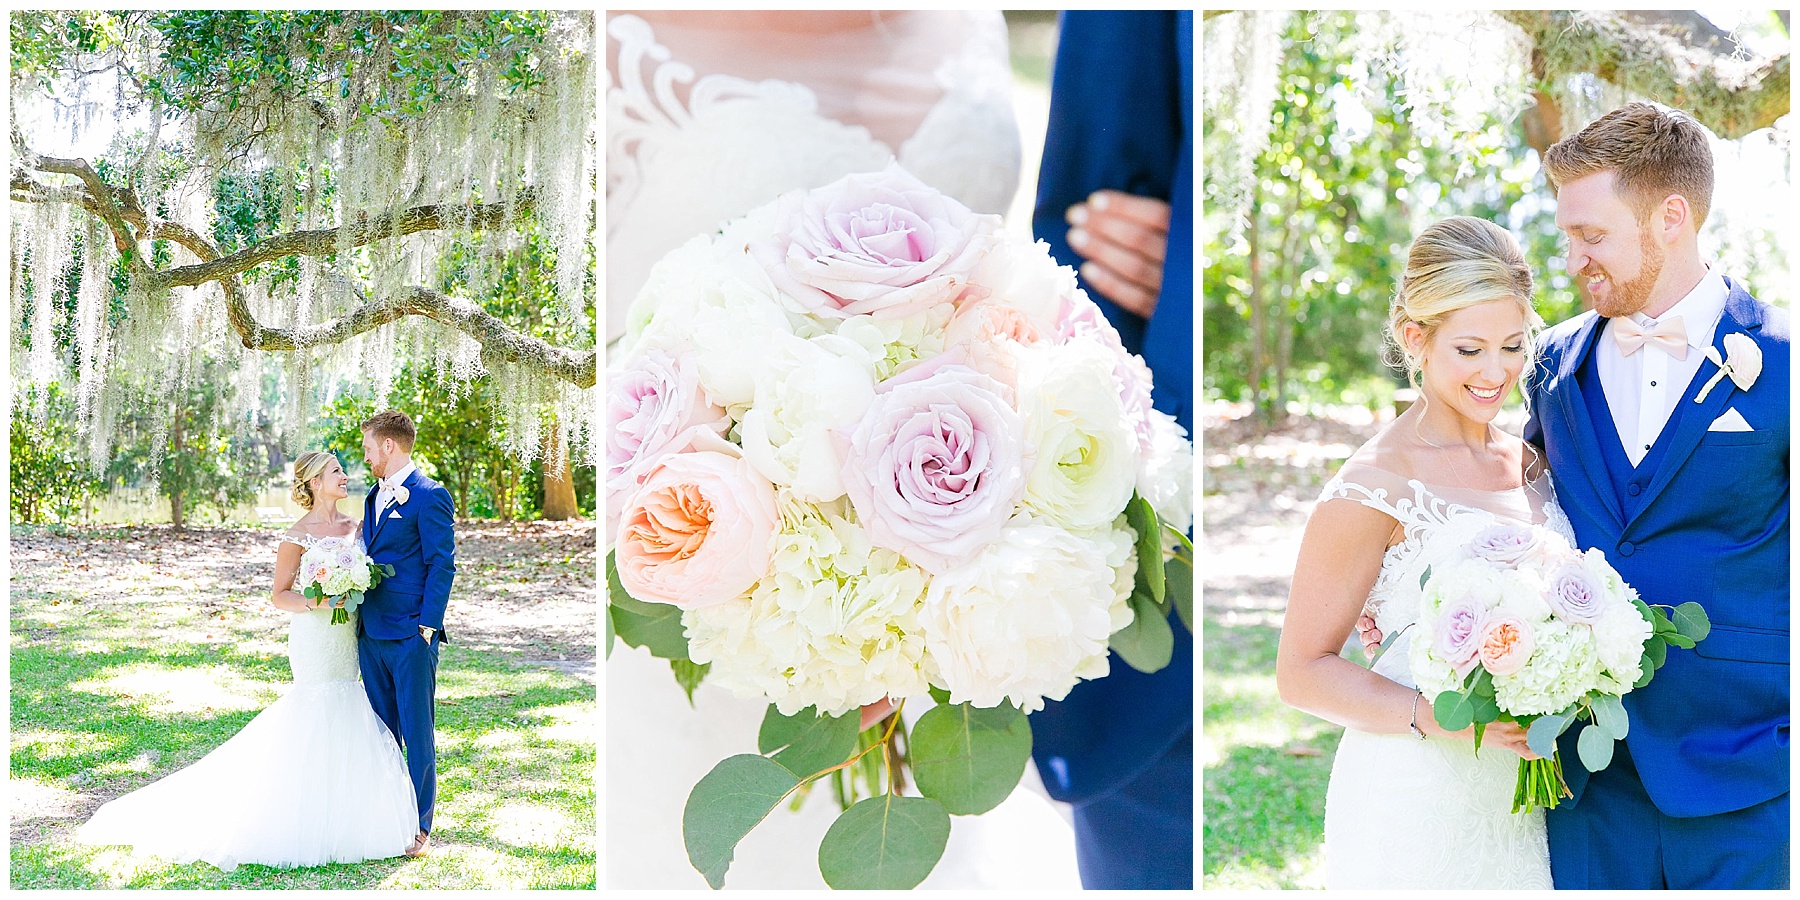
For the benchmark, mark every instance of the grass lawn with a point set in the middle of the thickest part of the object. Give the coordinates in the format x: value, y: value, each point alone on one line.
x: 127, y: 671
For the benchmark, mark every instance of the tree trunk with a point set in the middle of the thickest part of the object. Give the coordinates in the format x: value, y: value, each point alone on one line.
x: 559, y: 491
x: 176, y: 488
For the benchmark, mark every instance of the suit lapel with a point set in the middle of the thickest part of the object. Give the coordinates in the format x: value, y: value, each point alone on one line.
x: 1567, y: 392
x: 369, y: 517
x: 411, y: 483
x: 1740, y: 317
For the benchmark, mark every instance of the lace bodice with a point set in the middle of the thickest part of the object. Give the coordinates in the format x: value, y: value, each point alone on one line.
x: 704, y: 125
x: 319, y: 651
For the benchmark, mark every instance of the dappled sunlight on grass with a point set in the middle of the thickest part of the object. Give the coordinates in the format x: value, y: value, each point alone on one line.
x: 530, y: 825
x: 161, y: 689
x: 1303, y: 872
x: 30, y: 798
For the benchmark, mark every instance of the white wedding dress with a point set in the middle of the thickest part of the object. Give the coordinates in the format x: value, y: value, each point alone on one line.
x: 314, y: 779
x: 704, y: 124
x: 1405, y: 813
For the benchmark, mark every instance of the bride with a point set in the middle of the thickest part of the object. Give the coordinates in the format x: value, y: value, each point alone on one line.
x: 709, y: 115
x: 314, y: 779
x: 1410, y: 805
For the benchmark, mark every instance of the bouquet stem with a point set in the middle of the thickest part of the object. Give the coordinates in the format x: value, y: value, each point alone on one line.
x: 339, y: 616
x: 1540, y: 784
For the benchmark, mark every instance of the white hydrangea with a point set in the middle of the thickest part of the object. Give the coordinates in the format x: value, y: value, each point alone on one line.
x: 1030, y: 616
x: 892, y: 345
x: 1564, y: 666
x: 834, y: 625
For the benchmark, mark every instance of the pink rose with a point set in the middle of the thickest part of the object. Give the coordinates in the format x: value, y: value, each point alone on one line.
x: 654, y: 407
x: 1575, y: 595
x: 881, y: 244
x: 1507, y: 545
x: 1457, y: 638
x: 1506, y: 643
x: 697, y: 533
x: 936, y: 466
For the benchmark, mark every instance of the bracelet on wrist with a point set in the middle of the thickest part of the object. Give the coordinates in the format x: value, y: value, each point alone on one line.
x: 1414, y: 724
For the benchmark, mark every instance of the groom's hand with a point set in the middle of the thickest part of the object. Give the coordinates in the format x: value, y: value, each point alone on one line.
x: 1124, y: 238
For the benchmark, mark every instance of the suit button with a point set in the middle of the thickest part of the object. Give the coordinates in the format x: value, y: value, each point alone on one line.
x: 1633, y: 490
x: 1626, y: 548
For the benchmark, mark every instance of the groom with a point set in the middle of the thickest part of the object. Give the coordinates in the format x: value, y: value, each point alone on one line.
x: 408, y: 524
x: 1687, y: 495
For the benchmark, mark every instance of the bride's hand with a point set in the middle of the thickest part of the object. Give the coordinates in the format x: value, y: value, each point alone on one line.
x: 1497, y: 734
x: 1124, y: 239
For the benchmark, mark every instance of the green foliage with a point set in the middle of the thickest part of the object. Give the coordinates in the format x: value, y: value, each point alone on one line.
x: 807, y: 743
x: 884, y: 843
x: 654, y: 626
x: 738, y: 793
x: 970, y: 759
x: 51, y: 478
x: 179, y: 438
x: 1296, y: 303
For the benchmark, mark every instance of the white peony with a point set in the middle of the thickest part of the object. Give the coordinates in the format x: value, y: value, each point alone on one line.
x: 804, y: 391
x: 1620, y: 634
x: 835, y: 624
x: 1086, y: 459
x: 1028, y: 617
x: 1563, y: 667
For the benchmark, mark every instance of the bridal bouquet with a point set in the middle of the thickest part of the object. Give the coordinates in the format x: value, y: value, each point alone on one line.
x: 339, y: 575
x: 863, y: 447
x: 1517, y: 626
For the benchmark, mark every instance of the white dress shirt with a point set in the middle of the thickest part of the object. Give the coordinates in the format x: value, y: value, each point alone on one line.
x: 1643, y: 388
x: 384, y: 496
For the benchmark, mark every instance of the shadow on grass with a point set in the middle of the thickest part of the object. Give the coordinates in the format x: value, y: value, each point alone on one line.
x: 516, y: 762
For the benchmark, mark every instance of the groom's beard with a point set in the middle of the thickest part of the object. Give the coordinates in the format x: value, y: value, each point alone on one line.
x: 1628, y: 297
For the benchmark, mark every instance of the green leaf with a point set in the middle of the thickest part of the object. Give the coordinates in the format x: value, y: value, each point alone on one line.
x: 1541, y: 736
x: 1181, y: 539
x: 1148, y: 643
x: 1482, y: 684
x: 1178, y: 574
x: 1657, y: 649
x: 1453, y: 711
x: 807, y: 743
x: 1486, y: 709
x: 1480, y: 729
x: 884, y: 843
x: 1646, y: 671
x: 1424, y: 577
x: 939, y: 694
x: 1595, y: 747
x: 1691, y: 620
x: 970, y: 759
x: 1679, y: 640
x: 1142, y: 519
x: 689, y: 674
x: 607, y: 621
x: 1609, y: 714
x: 738, y: 793
x: 654, y: 626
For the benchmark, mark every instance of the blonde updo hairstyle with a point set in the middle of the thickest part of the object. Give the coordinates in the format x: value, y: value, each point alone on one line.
x: 310, y: 465
x: 1454, y: 264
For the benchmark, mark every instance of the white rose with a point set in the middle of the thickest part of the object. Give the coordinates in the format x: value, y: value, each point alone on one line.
x: 1027, y: 618
x: 1165, y: 475
x: 804, y: 391
x: 1085, y: 465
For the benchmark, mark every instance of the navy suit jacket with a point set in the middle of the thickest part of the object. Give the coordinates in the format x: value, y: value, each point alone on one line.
x: 1708, y: 523
x: 1121, y: 117
x: 418, y: 539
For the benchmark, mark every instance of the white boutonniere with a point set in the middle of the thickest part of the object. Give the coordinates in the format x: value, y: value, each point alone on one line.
x: 1743, y: 362
x: 401, y: 493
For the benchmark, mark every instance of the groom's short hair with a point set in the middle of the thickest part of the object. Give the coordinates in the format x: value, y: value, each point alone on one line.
x: 1656, y: 150
x: 392, y: 424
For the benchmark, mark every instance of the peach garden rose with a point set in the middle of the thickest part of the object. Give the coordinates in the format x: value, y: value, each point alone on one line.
x: 697, y: 532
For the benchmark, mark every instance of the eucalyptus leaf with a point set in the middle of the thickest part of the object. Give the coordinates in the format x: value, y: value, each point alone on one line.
x: 1453, y: 711
x: 1148, y: 643
x: 737, y: 794
x: 807, y: 743
x: 884, y: 843
x: 1178, y: 575
x: 689, y: 674
x: 1679, y: 640
x: 1609, y: 714
x: 939, y: 694
x: 970, y: 759
x: 1657, y: 649
x: 1541, y: 736
x: 1595, y: 747
x: 1142, y: 518
x: 1691, y: 620
x: 654, y: 626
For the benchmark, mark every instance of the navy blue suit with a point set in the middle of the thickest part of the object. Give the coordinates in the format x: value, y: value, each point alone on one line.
x: 399, y: 667
x: 1120, y: 748
x: 1697, y: 794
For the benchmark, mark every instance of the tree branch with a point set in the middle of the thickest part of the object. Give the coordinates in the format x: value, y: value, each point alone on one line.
x: 1668, y: 59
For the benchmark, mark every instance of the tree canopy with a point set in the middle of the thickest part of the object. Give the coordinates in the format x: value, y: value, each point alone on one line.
x: 308, y: 200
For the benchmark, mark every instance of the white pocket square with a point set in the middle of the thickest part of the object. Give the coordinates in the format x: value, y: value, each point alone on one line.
x: 396, y: 513
x: 1732, y: 420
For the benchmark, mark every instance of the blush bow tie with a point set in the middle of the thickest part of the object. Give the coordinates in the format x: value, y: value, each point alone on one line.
x: 1669, y: 335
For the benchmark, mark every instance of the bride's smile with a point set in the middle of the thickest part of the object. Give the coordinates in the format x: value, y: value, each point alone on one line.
x: 1470, y: 363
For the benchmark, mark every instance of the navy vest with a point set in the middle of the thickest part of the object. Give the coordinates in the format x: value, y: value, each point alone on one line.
x: 1629, y: 482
